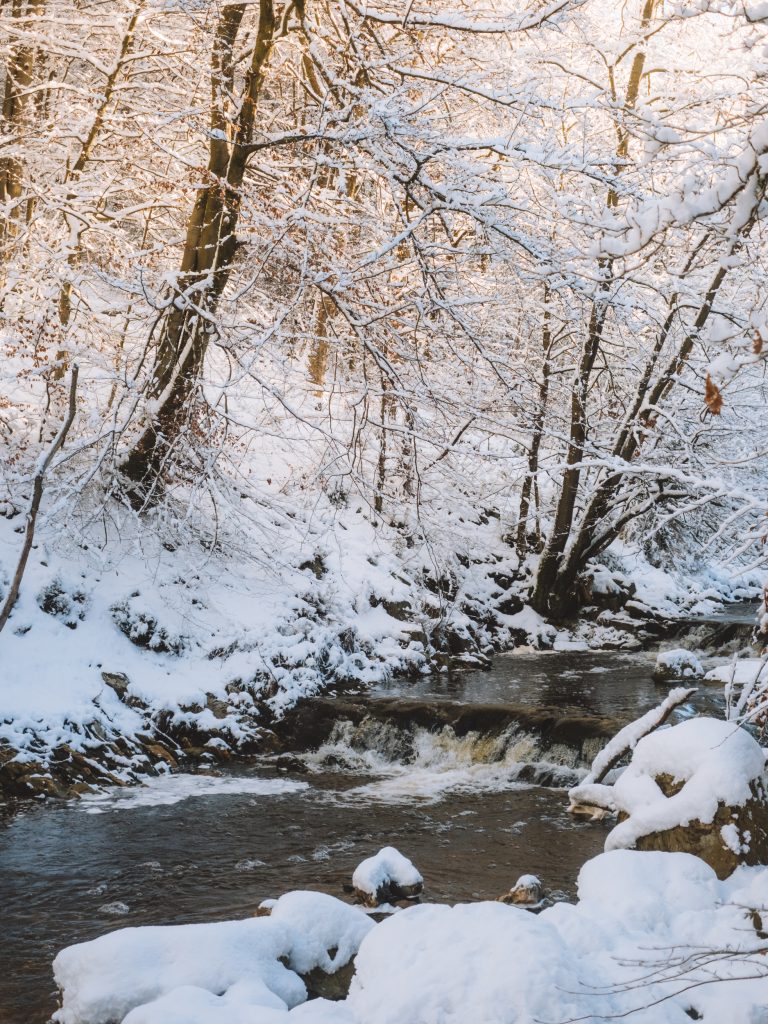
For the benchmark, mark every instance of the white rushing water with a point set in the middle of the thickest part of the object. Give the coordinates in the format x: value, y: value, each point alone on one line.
x: 426, y: 766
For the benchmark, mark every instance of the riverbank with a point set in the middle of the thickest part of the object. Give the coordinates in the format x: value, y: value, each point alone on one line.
x: 136, y: 656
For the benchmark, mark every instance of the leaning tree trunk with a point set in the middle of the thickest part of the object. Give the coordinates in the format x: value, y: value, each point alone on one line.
x: 209, y: 250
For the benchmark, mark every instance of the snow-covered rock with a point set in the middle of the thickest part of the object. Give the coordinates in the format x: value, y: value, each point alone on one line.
x: 677, y: 666
x: 103, y: 980
x: 385, y: 878
x: 526, y: 892
x: 685, y: 784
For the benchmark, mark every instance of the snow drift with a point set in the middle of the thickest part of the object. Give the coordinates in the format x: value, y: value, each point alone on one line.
x: 653, y: 934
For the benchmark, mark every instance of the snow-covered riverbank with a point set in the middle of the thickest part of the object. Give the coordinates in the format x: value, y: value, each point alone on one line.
x: 653, y: 935
x: 127, y: 658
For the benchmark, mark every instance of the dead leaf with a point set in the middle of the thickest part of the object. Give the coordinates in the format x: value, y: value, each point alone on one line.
x: 712, y: 397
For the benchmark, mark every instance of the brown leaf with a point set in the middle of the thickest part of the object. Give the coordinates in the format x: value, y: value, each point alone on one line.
x: 757, y: 343
x: 712, y: 397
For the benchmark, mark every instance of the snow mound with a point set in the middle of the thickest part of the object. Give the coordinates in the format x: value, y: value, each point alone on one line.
x: 716, y: 762
x: 497, y: 964
x: 478, y: 962
x: 387, y: 870
x: 624, y: 950
x: 167, y: 966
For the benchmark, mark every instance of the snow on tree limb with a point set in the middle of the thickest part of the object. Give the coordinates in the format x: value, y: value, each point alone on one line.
x: 589, y: 792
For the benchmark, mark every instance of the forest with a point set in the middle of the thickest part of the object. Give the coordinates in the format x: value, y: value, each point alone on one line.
x: 383, y: 451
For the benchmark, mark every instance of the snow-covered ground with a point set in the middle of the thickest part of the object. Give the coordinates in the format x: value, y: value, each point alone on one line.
x: 215, y: 641
x: 654, y: 938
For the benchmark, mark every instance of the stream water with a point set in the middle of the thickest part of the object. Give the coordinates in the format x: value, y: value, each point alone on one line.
x: 192, y: 848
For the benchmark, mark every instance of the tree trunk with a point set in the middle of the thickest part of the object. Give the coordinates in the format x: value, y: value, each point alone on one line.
x: 536, y: 436
x: 209, y: 250
x: 18, y: 114
x: 547, y: 598
x: 554, y: 592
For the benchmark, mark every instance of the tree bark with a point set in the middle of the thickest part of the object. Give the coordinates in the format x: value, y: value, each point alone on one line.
x: 547, y: 598
x: 209, y: 250
x: 18, y: 114
x: 536, y: 435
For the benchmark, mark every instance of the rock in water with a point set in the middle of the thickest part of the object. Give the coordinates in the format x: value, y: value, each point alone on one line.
x: 386, y: 878
x: 526, y: 892
x: 324, y: 985
x: 677, y: 666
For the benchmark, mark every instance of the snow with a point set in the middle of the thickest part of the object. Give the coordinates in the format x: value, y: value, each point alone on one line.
x: 732, y: 839
x: 495, y: 963
x: 388, y: 865
x: 717, y: 762
x: 628, y: 737
x: 184, y: 625
x: 624, y: 949
x: 103, y: 980
x: 740, y: 672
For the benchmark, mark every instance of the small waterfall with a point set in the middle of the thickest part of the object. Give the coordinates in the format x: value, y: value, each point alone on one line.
x: 724, y: 633
x: 413, y: 762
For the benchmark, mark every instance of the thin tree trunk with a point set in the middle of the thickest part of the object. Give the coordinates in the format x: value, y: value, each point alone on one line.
x: 546, y: 598
x: 536, y: 435
x: 37, y: 497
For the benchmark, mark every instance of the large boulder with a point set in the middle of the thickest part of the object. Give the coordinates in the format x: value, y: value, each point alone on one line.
x: 698, y: 787
x: 735, y: 835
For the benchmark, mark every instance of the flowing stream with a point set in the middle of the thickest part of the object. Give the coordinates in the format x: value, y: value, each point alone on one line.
x: 464, y: 773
